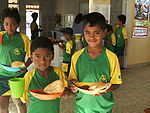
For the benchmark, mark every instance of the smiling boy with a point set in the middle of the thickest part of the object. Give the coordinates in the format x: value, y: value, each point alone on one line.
x: 95, y: 63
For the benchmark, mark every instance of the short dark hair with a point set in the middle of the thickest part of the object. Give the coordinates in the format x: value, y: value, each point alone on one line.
x: 93, y: 19
x: 122, y: 18
x: 109, y: 28
x: 68, y: 31
x: 34, y: 14
x: 11, y: 12
x: 78, y: 18
x: 42, y: 42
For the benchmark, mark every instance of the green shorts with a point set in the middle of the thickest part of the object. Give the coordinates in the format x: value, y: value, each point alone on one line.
x: 119, y: 51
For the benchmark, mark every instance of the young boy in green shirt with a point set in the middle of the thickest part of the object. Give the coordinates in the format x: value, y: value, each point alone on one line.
x: 110, y: 39
x: 121, y: 38
x: 42, y: 53
x: 68, y: 49
x: 95, y: 63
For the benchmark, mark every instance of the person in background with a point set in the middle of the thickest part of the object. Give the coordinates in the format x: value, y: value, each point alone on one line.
x: 42, y: 54
x: 14, y: 47
x: 110, y: 39
x: 95, y: 63
x: 78, y: 30
x: 121, y: 38
x: 34, y: 27
x: 68, y: 49
x: 78, y: 24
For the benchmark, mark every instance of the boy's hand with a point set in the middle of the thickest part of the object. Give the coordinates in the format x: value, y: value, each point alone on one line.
x: 61, y: 45
x: 22, y: 70
x: 99, y: 94
x: 72, y: 87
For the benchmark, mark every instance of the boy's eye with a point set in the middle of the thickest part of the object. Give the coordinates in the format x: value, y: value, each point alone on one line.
x: 37, y: 57
x: 87, y: 33
x: 48, y: 56
x: 97, y: 33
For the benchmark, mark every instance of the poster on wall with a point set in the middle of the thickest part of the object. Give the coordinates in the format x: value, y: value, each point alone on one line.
x: 141, y: 17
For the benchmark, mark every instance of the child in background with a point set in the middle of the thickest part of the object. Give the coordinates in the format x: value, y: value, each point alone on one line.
x: 69, y: 49
x: 42, y: 53
x: 95, y: 63
x: 110, y: 39
x: 14, y: 47
x: 121, y: 38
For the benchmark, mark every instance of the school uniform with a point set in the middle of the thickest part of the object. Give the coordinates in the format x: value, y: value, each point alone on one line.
x: 111, y: 38
x: 121, y: 35
x: 12, y: 49
x: 33, y: 80
x: 70, y: 49
x: 104, y: 68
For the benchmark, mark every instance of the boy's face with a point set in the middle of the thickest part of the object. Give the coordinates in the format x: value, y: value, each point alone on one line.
x: 10, y: 25
x: 94, y: 35
x: 66, y: 36
x: 119, y: 22
x: 42, y: 58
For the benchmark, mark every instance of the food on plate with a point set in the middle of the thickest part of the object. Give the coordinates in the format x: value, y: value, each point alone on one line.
x: 17, y: 64
x: 55, y: 87
x: 86, y: 87
x: 97, y: 86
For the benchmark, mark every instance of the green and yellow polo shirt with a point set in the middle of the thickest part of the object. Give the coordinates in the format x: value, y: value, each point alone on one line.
x: 121, y: 35
x: 111, y: 38
x: 12, y: 49
x: 33, y: 80
x: 104, y: 68
x: 70, y: 48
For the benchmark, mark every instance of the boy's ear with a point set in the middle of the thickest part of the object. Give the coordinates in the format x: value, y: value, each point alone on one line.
x: 53, y: 57
x: 105, y: 32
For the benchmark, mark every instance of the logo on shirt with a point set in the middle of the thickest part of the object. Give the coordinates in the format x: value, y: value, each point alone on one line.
x: 103, y: 78
x: 118, y: 36
x: 16, y: 51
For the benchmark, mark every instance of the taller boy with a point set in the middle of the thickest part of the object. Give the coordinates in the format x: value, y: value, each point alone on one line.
x: 95, y: 63
x: 121, y: 38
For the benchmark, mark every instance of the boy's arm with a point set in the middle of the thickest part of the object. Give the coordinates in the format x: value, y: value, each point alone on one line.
x: 124, y: 32
x: 113, y: 38
x: 113, y: 87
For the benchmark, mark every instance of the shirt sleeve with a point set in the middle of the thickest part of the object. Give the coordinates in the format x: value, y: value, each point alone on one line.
x: 27, y: 44
x: 113, y: 38
x: 124, y: 32
x: 69, y: 47
x: 73, y: 73
x: 115, y: 73
x: 61, y: 75
x: 114, y: 29
x: 28, y: 76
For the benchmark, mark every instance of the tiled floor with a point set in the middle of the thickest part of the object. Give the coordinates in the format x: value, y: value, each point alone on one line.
x: 132, y: 97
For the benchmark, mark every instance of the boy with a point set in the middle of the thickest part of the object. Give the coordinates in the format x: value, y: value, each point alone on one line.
x: 121, y: 38
x: 69, y: 49
x: 110, y: 39
x: 14, y: 47
x: 42, y: 53
x: 95, y: 63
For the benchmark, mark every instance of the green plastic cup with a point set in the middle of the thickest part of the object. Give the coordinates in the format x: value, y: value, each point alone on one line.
x: 17, y: 87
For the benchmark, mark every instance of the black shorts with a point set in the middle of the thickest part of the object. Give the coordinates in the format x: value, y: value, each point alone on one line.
x: 119, y: 51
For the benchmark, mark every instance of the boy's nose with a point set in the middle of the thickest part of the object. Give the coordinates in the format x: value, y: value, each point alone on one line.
x: 42, y: 60
x: 92, y: 35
